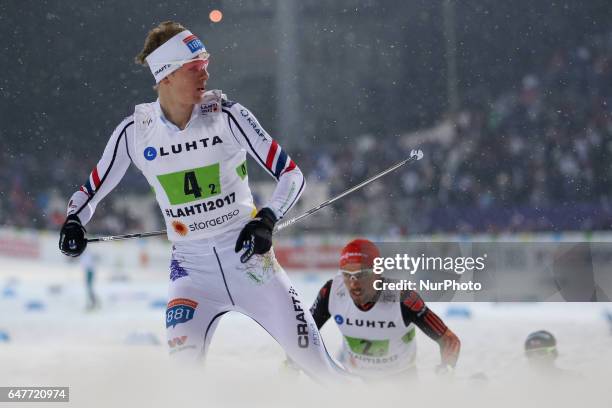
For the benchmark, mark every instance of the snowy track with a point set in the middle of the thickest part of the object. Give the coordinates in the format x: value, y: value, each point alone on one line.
x: 121, y: 346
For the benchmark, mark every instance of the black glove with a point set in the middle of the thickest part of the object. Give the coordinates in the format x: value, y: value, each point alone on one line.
x: 72, y: 237
x: 256, y: 236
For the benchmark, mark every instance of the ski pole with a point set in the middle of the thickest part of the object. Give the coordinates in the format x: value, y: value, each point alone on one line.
x: 415, y: 155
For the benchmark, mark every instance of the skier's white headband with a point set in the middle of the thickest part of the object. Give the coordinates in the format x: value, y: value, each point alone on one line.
x: 174, y: 53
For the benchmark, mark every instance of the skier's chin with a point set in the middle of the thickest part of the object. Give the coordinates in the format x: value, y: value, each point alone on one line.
x: 199, y: 95
x: 357, y: 295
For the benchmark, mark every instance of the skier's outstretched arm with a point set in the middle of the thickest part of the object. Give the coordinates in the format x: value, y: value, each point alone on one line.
x: 104, y: 177
x: 415, y: 310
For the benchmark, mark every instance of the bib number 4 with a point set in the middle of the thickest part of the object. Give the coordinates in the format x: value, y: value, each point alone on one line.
x: 191, y: 185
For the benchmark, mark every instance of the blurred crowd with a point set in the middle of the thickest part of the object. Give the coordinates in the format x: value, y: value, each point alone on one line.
x: 35, y: 193
x: 533, y: 158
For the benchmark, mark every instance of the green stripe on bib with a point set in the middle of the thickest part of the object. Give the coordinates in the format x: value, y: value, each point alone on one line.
x: 408, y: 337
x: 241, y: 170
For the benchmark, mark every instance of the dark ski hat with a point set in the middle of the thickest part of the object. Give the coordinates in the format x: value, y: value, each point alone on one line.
x: 541, y: 342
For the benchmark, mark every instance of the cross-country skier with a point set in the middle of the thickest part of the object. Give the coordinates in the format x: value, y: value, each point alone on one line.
x: 378, y: 327
x: 191, y: 145
x: 541, y: 352
x: 89, y: 264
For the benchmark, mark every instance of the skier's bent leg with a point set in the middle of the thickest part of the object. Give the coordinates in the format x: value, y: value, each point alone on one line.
x: 191, y: 321
x: 275, y: 305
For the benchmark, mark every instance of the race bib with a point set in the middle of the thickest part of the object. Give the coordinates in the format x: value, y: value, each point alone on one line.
x: 372, y: 348
x: 191, y: 185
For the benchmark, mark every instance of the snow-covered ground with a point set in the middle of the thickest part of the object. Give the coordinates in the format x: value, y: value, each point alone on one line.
x: 116, y: 355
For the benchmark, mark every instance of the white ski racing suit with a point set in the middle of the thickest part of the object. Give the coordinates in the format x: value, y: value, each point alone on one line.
x: 200, y: 179
x: 379, y: 337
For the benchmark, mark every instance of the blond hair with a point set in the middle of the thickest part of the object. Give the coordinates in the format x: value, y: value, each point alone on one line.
x: 156, y: 37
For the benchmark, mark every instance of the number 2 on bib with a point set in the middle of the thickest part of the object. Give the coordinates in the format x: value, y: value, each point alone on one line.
x: 365, y: 347
x: 191, y: 185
